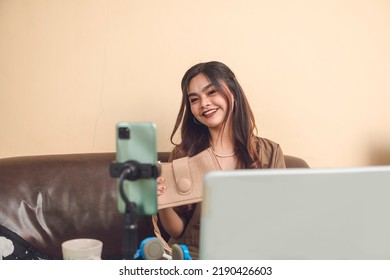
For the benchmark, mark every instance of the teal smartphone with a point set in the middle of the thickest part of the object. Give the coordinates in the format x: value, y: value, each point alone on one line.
x: 136, y: 141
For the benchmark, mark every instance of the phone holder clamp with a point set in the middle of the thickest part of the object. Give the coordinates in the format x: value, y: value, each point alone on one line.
x: 134, y: 169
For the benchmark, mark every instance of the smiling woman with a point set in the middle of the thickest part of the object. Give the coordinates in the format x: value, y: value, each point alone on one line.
x: 214, y: 114
x: 208, y: 105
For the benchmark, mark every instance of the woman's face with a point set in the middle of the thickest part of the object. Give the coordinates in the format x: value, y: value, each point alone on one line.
x: 208, y: 105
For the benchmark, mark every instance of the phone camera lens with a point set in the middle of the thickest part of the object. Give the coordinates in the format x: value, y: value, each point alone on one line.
x: 124, y: 133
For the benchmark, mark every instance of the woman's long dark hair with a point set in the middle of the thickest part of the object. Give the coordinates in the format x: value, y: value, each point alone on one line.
x: 196, y: 137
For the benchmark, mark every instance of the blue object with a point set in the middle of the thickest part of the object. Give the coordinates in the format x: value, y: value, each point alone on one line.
x: 180, y: 252
x: 151, y: 248
x: 186, y: 252
x: 139, y: 255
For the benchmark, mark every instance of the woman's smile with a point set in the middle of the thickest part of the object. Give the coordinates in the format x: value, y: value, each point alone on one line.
x: 209, y: 113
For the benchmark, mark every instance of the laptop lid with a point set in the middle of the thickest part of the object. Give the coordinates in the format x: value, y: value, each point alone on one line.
x: 296, y: 214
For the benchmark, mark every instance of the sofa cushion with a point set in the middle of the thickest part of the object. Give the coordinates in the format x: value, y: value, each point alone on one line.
x: 49, y: 199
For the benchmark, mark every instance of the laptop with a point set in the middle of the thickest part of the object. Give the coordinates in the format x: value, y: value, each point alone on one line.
x: 296, y: 214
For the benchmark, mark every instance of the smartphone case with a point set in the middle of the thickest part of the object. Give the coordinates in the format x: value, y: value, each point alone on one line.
x: 141, y: 147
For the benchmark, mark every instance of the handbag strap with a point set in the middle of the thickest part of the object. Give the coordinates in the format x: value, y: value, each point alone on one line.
x: 157, y: 232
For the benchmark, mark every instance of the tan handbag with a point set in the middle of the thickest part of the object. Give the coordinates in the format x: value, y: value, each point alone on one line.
x: 183, y: 178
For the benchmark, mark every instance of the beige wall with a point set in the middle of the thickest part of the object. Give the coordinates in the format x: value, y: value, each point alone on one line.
x: 316, y: 72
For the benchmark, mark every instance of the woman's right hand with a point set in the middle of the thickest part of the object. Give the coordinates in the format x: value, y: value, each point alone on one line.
x: 160, y: 186
x: 170, y: 220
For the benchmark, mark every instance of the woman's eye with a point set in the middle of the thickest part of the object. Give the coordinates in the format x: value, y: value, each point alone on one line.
x: 193, y: 100
x: 213, y: 91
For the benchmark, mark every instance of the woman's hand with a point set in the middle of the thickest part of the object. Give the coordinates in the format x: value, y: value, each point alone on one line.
x: 170, y: 220
x: 160, y: 186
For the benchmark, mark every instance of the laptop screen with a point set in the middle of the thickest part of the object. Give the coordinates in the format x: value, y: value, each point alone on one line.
x: 320, y: 214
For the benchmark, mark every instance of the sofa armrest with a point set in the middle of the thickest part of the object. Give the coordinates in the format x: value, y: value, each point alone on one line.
x: 295, y: 162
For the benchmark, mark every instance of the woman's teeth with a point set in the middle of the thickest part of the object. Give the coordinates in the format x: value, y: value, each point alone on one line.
x: 209, y: 112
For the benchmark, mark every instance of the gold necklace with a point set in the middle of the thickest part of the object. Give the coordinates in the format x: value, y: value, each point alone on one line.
x: 223, y: 156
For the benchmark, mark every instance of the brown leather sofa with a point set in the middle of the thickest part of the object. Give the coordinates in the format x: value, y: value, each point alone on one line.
x: 48, y: 199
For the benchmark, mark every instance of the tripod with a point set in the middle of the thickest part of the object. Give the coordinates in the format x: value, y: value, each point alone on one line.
x: 131, y: 170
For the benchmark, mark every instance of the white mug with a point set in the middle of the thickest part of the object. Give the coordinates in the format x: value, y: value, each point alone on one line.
x: 82, y: 249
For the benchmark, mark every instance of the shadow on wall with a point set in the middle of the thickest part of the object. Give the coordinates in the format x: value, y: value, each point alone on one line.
x: 380, y: 155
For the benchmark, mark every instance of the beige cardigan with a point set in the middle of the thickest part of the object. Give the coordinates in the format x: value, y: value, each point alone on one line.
x: 271, y: 156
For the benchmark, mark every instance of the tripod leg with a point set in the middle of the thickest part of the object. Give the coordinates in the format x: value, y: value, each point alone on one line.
x: 129, y: 245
